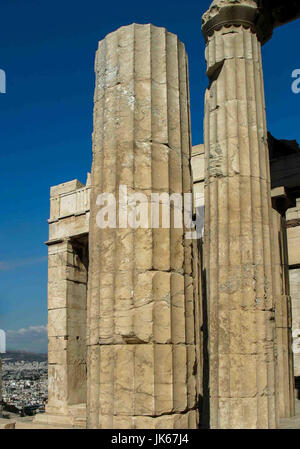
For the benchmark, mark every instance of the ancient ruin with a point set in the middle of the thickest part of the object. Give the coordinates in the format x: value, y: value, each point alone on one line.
x: 151, y: 329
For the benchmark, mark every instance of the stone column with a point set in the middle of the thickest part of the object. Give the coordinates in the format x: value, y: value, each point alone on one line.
x: 142, y: 364
x: 283, y: 307
x: 238, y: 215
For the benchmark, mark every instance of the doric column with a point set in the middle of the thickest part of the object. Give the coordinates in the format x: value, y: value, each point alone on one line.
x: 141, y: 296
x: 238, y: 215
x: 283, y: 306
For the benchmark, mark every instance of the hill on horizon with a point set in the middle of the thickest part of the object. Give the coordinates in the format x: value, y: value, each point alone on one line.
x: 18, y: 356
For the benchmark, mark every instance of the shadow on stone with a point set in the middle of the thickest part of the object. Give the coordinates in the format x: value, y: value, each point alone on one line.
x: 205, y: 403
x: 297, y: 386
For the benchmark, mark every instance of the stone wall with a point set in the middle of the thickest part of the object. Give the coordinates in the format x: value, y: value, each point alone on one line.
x: 293, y: 223
x: 198, y: 170
x: 69, y: 209
x: 67, y: 297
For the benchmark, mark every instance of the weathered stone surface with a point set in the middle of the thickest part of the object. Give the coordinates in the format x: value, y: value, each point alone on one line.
x: 7, y: 424
x: 73, y: 417
x: 293, y: 224
x: 295, y: 294
x: 142, y: 283
x: 146, y: 332
x: 69, y: 209
x: 238, y: 258
x: 283, y: 311
x: 67, y: 292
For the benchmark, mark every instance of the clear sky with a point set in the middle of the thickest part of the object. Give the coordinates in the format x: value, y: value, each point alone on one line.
x: 47, y: 51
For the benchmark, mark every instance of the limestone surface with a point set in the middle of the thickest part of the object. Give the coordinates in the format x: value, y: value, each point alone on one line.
x: 237, y: 236
x: 143, y: 346
x: 283, y: 310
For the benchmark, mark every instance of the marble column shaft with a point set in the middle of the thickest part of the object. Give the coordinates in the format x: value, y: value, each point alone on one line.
x: 142, y: 295
x: 238, y: 236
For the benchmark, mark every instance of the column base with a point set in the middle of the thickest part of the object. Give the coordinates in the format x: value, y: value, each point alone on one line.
x: 7, y: 424
x: 188, y: 420
x: 73, y: 417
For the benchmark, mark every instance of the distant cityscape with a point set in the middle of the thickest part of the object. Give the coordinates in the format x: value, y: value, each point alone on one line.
x: 24, y: 383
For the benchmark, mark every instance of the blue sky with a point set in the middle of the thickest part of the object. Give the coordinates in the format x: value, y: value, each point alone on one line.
x: 47, y: 51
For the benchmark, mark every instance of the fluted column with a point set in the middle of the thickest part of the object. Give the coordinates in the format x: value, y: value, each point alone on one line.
x: 142, y: 294
x: 283, y: 306
x: 238, y: 216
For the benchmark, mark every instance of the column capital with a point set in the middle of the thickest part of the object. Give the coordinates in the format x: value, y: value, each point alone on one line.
x: 282, y: 199
x: 229, y: 12
x: 247, y: 13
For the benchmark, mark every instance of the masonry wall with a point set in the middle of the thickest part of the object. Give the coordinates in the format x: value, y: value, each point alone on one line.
x: 67, y: 303
x: 293, y: 223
